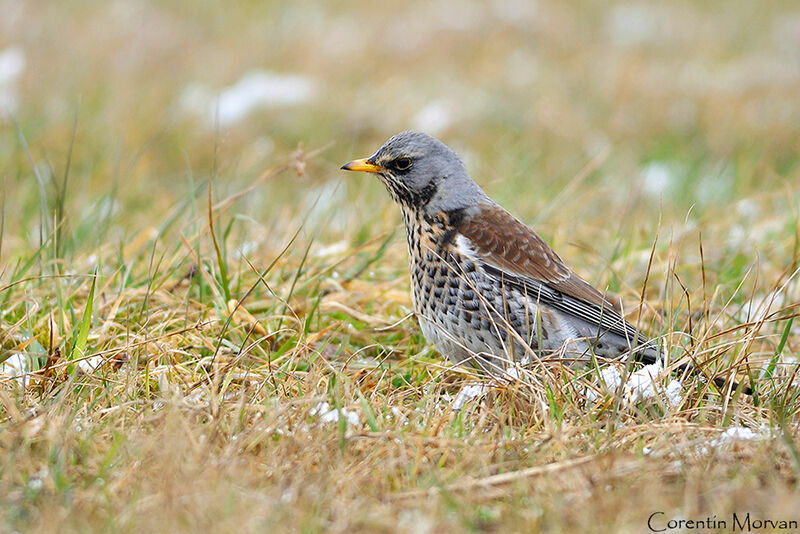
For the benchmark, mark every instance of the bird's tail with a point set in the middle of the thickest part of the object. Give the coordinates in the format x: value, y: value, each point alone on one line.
x: 649, y: 353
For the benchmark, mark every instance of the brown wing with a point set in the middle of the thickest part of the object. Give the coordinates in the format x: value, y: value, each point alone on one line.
x: 513, y: 253
x: 503, y: 240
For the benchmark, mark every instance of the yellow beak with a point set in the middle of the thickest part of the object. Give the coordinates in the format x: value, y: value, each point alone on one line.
x: 362, y: 165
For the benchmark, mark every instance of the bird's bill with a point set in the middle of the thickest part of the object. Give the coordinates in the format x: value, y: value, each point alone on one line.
x: 361, y: 165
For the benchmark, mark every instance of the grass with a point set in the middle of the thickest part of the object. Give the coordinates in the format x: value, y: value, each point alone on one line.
x: 186, y: 294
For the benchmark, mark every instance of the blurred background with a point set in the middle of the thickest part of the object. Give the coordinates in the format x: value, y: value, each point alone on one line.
x: 615, y: 128
x: 585, y: 118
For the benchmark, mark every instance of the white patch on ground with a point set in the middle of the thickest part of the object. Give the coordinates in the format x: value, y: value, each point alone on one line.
x: 467, y: 393
x: 674, y: 393
x: 512, y: 373
x: 609, y: 382
x: 257, y: 89
x: 641, y: 385
x: 35, y: 484
x: 414, y: 522
x: 334, y: 249
x: 327, y: 414
x: 747, y: 208
x: 611, y: 378
x: 16, y: 365
x: 733, y: 436
x: 90, y: 364
x: 197, y: 398
x: 736, y: 434
x: 658, y: 178
x: 36, y: 481
x: 12, y: 65
x: 433, y: 118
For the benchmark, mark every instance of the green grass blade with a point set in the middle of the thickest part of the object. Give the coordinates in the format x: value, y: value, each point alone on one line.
x: 79, y: 348
x: 773, y: 362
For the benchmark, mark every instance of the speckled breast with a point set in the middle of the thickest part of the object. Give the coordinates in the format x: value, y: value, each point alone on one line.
x: 461, y: 310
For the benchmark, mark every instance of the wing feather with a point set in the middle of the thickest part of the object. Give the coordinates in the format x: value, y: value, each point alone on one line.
x: 515, y: 255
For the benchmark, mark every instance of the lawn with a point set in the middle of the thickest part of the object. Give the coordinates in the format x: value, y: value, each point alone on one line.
x: 205, y: 326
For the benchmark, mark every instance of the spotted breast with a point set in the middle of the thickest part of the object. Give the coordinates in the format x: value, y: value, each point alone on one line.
x: 469, y: 315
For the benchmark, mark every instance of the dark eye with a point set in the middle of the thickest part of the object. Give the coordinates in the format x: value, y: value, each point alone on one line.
x: 402, y: 164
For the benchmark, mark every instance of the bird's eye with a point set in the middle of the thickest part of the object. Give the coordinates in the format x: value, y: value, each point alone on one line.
x: 402, y: 163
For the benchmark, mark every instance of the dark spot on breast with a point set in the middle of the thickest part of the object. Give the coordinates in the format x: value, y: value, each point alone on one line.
x: 471, y: 304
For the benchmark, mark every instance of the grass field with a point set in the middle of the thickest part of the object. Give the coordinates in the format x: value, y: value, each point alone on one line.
x: 205, y: 326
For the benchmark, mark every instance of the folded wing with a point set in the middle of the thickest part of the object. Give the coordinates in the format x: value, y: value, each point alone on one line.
x: 513, y: 254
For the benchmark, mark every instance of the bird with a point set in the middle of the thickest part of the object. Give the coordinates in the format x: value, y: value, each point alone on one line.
x: 487, y: 290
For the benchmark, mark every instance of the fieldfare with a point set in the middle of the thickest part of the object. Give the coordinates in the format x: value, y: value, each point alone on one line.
x: 486, y: 288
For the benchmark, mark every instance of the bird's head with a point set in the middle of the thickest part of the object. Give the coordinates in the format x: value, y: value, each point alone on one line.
x: 421, y: 173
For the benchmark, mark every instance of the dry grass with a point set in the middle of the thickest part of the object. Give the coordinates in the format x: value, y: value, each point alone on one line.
x: 179, y: 339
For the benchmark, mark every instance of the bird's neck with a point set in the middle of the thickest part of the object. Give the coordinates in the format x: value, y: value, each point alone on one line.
x: 431, y: 233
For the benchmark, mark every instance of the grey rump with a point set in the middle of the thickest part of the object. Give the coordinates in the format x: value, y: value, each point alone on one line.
x: 486, y: 288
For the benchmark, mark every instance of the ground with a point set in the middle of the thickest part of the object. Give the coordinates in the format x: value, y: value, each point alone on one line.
x: 205, y: 326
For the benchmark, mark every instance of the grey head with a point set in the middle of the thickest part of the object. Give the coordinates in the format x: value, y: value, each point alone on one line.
x: 422, y: 173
